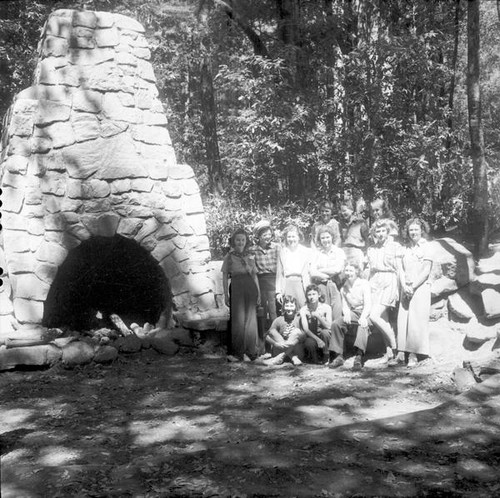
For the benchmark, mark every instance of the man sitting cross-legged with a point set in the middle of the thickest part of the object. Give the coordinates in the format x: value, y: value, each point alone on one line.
x: 285, y: 337
x: 356, y: 304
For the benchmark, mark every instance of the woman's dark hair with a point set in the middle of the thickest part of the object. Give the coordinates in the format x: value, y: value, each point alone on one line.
x: 289, y: 299
x: 424, y: 226
x: 314, y: 287
x: 239, y: 231
x: 326, y: 204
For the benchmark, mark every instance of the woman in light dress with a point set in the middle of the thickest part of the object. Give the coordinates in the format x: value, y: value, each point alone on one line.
x: 415, y: 301
x: 384, y: 261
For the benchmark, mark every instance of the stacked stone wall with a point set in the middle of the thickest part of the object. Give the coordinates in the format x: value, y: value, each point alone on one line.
x: 87, y: 152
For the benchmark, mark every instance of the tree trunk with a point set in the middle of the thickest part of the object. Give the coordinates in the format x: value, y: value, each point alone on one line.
x: 209, y: 123
x: 479, y: 210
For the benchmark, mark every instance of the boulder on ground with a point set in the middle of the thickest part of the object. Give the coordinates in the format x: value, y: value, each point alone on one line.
x: 105, y: 354
x: 485, y: 281
x: 463, y: 378
x: 443, y: 286
x: 438, y: 310
x: 491, y: 303
x: 77, y: 353
x: 459, y: 304
x: 489, y: 265
x: 128, y: 344
x: 163, y: 341
x: 34, y: 355
x: 453, y: 261
x: 479, y: 334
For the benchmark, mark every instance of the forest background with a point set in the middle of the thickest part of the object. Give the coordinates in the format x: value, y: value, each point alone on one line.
x: 277, y: 104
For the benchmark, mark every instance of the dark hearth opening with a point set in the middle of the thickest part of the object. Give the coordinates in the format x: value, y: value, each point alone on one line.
x: 107, y: 275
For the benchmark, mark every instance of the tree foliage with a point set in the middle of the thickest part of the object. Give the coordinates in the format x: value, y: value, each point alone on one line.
x: 311, y: 99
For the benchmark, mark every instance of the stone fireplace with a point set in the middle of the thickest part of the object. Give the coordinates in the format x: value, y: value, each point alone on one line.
x: 95, y: 205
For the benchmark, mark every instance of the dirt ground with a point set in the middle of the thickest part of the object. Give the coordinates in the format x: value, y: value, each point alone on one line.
x: 195, y: 425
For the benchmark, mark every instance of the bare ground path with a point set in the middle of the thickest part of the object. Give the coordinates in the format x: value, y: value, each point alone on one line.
x: 195, y: 425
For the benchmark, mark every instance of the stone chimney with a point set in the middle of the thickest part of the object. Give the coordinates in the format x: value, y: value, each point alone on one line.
x: 86, y: 155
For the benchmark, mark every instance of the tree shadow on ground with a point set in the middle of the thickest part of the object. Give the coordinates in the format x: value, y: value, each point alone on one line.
x: 192, y: 425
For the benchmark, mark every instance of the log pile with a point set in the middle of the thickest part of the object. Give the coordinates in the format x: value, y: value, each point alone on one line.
x: 41, y: 346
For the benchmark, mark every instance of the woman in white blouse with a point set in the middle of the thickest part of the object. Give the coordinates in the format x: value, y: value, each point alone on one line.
x: 292, y: 274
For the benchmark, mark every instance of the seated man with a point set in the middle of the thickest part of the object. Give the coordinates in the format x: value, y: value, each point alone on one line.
x: 316, y: 322
x: 285, y: 337
x: 356, y: 304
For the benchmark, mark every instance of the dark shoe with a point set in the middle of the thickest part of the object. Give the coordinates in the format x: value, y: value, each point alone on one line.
x: 337, y: 362
x: 358, y: 363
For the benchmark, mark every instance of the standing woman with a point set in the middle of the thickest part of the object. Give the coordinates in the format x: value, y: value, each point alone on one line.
x: 384, y: 260
x: 239, y: 266
x: 292, y: 273
x: 327, y: 263
x: 379, y: 209
x: 415, y: 303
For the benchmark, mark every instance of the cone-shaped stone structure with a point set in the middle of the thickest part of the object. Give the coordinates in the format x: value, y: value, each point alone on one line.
x: 86, y: 153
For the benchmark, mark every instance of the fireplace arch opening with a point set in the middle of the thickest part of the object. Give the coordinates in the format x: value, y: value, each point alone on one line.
x: 107, y: 275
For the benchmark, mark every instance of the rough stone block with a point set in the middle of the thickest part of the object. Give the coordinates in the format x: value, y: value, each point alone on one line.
x: 105, y: 354
x: 485, y: 281
x: 54, y: 184
x: 34, y: 355
x: 28, y: 311
x: 36, y: 226
x: 46, y: 272
x: 50, y: 112
x: 21, y: 125
x: 491, y: 303
x: 30, y: 96
x: 77, y: 353
x: 127, y: 23
x: 12, y: 199
x: 154, y: 118
x: 79, y: 231
x: 457, y: 262
x: 54, y: 46
x: 114, y: 109
x: 58, y: 26
x: 141, y: 185
x: 105, y: 19
x: 128, y: 344
x: 40, y: 144
x: 125, y: 58
x: 19, y: 262
x: 145, y: 70
x: 82, y: 37
x: 49, y: 252
x: 106, y: 78
x: 443, y: 286
x: 142, y: 53
x: 104, y: 224
x: 19, y: 146
x: 87, y: 101
x: 180, y: 172
x: 479, y: 334
x: 85, y: 127
x: 147, y: 228
x: 192, y: 206
x: 163, y: 341
x: 54, y: 221
x: 29, y: 286
x: 90, y: 58
x: 86, y: 19
x: 129, y: 226
x: 110, y: 129
x: 16, y: 165
x: 107, y: 37
x: 154, y: 135
x: 458, y: 305
x: 59, y: 134
x: 489, y: 265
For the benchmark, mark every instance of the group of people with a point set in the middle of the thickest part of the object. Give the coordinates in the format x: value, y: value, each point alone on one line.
x: 289, y: 302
